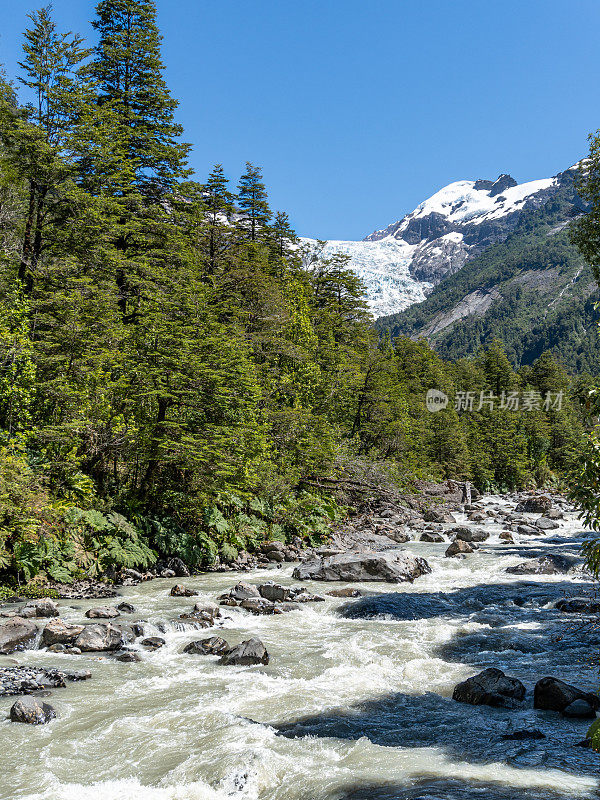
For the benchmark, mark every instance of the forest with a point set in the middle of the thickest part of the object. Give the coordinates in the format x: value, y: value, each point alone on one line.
x: 176, y: 375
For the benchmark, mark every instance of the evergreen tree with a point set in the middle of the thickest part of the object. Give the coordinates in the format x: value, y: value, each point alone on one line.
x: 128, y: 70
x: 252, y: 201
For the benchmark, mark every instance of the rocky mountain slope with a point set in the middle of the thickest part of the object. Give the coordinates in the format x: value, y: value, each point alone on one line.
x: 531, y: 289
x: 401, y: 264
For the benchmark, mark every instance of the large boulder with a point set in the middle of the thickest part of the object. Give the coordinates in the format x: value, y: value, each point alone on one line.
x: 104, y: 612
x: 467, y: 534
x: 552, y: 694
x: 241, y: 591
x: 99, y: 637
x: 213, y: 646
x: 392, y: 566
x: 549, y: 564
x: 538, y: 504
x: 249, y: 652
x: 490, y: 688
x: 16, y: 634
x: 59, y: 632
x: 458, y: 548
x: 430, y: 536
x: 545, y: 524
x: 31, y: 711
x: 44, y: 607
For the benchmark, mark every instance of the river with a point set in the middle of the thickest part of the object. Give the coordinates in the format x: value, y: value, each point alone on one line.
x: 347, y: 709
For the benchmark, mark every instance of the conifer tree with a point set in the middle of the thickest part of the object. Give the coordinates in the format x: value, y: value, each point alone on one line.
x: 252, y: 201
x: 128, y: 69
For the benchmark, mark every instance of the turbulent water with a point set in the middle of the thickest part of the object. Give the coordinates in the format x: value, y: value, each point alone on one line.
x: 348, y: 708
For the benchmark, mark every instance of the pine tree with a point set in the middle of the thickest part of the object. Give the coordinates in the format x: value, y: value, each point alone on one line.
x: 283, y: 234
x: 218, y: 202
x: 252, y: 201
x: 39, y: 138
x: 128, y: 69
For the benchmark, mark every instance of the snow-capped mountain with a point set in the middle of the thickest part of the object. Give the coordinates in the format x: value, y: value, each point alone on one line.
x: 401, y: 263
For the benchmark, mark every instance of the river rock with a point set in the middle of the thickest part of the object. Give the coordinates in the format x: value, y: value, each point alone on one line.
x: 537, y: 504
x: 241, y: 591
x: 528, y: 530
x: 153, y: 642
x: 506, y: 536
x: 392, y: 566
x: 182, y: 591
x: 552, y: 694
x: 249, y: 652
x: 554, y: 513
x: 431, y: 537
x: 580, y: 709
x: 99, y: 637
x: 467, y: 534
x: 16, y: 634
x: 434, y: 515
x: 491, y: 688
x: 126, y: 608
x: 213, y: 646
x: 59, y: 632
x: 44, y: 607
x: 128, y: 656
x: 104, y: 612
x: 545, y: 524
x: 348, y: 591
x: 459, y: 547
x: 549, y: 564
x: 576, y: 605
x: 32, y: 711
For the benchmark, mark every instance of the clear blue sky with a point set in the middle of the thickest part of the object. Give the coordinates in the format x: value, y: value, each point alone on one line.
x: 357, y: 111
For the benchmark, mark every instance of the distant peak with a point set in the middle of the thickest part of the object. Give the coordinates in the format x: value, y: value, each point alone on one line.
x: 503, y: 183
x: 482, y: 185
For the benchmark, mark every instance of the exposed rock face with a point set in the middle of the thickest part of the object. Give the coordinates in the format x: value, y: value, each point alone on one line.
x: 213, y: 646
x: 105, y: 612
x: 553, y: 694
x: 391, y: 566
x: 550, y: 564
x: 16, y: 634
x: 31, y: 711
x: 491, y: 688
x: 99, y: 637
x: 59, y: 632
x: 249, y: 652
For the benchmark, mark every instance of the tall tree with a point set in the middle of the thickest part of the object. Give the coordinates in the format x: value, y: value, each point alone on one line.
x: 252, y: 201
x: 128, y: 69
